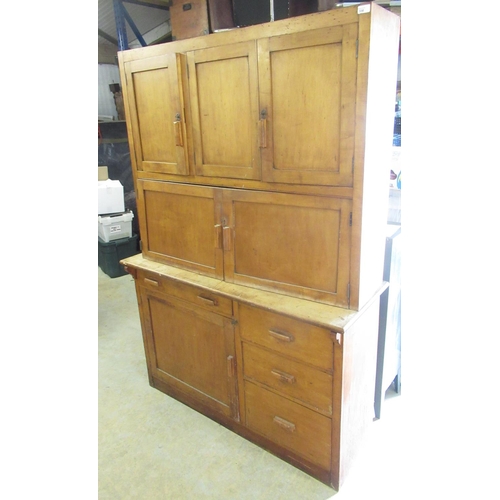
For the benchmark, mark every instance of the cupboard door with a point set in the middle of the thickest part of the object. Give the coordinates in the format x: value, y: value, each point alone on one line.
x: 156, y: 109
x: 180, y: 226
x: 307, y: 84
x: 224, y: 108
x: 191, y: 350
x: 295, y: 244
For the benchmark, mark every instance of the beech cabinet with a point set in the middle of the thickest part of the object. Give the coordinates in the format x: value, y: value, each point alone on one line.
x: 260, y: 160
x: 272, y: 241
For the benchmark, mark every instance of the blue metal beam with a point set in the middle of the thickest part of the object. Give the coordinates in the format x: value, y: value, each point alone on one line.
x: 121, y: 31
x: 137, y: 33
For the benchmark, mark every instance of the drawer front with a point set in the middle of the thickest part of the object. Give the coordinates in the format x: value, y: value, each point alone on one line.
x: 288, y: 424
x: 290, y: 378
x: 204, y: 299
x: 287, y: 336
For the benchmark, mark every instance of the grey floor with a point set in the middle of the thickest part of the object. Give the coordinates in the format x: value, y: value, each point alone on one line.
x: 153, y: 447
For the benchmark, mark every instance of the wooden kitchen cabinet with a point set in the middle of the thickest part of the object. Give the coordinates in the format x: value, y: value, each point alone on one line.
x: 260, y: 158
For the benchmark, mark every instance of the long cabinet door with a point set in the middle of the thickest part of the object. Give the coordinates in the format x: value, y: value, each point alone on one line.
x: 296, y: 244
x: 180, y: 225
x: 223, y: 89
x: 156, y: 107
x: 191, y: 350
x: 307, y: 89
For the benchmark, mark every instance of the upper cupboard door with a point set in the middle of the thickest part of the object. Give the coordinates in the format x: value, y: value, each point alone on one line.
x: 157, y: 114
x: 307, y: 85
x: 223, y: 87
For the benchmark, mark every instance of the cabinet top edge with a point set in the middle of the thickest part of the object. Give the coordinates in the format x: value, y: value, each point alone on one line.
x: 334, y: 318
x: 316, y: 20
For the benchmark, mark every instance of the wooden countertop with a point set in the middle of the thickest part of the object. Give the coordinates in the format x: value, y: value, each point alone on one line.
x: 336, y: 319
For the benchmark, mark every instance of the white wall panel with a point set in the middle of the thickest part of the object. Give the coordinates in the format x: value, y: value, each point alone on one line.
x: 108, y: 73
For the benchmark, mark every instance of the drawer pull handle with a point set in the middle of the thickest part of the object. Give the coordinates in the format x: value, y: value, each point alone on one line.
x: 207, y: 300
x: 284, y: 337
x: 283, y: 377
x: 284, y: 424
x: 151, y: 282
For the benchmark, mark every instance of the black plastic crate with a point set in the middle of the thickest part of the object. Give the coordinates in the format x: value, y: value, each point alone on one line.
x: 111, y: 253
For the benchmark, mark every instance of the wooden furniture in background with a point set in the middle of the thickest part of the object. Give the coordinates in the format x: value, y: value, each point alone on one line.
x: 260, y: 160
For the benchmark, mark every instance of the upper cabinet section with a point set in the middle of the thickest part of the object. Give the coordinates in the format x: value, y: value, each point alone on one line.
x: 156, y: 114
x: 280, y: 106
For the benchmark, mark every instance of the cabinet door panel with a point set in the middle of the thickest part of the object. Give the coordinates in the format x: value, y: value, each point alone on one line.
x: 180, y: 226
x: 307, y: 88
x: 223, y: 91
x: 291, y: 243
x: 191, y: 350
x: 156, y: 112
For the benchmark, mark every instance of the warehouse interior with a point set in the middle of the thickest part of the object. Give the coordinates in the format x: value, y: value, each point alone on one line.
x: 76, y: 402
x: 150, y: 445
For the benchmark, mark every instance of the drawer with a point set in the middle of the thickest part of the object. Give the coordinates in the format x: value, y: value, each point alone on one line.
x: 291, y: 378
x: 206, y: 300
x: 287, y: 336
x: 288, y: 424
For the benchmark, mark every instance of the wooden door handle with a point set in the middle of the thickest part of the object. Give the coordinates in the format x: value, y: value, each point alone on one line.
x: 283, y: 377
x: 284, y: 424
x: 231, y: 371
x: 178, y: 133
x: 218, y: 236
x: 263, y: 132
x: 283, y: 337
x: 227, y: 237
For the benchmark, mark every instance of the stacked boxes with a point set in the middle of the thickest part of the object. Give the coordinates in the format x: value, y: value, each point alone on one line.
x: 115, y: 238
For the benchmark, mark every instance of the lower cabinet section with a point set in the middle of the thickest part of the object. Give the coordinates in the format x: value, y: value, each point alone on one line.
x: 231, y: 353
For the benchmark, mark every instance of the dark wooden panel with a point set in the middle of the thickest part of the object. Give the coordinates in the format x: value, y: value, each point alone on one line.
x: 189, y: 19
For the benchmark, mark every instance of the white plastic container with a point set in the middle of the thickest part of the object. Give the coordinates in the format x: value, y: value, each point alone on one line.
x: 110, y: 197
x: 115, y: 227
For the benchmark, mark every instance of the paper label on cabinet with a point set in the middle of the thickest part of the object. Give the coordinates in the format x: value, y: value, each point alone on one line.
x: 363, y: 9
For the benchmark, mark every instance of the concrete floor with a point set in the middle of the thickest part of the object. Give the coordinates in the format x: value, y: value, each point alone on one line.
x: 153, y: 447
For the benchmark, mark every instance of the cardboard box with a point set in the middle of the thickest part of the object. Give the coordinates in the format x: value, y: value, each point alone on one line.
x: 189, y: 19
x: 110, y: 197
x: 102, y: 173
x: 115, y: 227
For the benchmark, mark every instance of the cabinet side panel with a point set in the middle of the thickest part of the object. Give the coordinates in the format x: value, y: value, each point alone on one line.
x: 358, y: 386
x: 377, y: 80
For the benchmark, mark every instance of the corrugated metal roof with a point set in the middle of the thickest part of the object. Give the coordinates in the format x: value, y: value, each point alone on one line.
x: 147, y: 18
